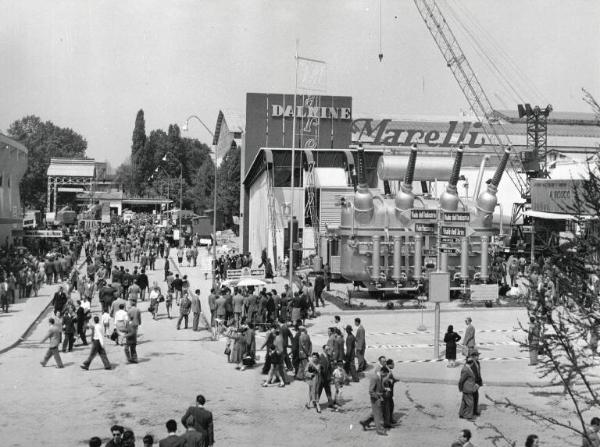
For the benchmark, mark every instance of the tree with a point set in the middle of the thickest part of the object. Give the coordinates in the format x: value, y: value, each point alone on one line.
x: 571, y: 322
x: 228, y: 188
x: 44, y: 140
x: 138, y: 154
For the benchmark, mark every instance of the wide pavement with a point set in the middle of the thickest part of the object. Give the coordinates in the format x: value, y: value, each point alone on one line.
x: 70, y: 405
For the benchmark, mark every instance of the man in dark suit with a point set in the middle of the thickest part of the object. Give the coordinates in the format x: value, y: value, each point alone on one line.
x: 192, y: 437
x: 376, y: 392
x: 360, y: 346
x: 478, y: 380
x: 326, y: 370
x: 203, y: 420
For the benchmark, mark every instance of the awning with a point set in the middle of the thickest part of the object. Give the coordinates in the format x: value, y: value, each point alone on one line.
x: 554, y: 216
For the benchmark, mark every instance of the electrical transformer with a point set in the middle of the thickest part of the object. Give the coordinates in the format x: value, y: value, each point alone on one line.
x: 390, y: 243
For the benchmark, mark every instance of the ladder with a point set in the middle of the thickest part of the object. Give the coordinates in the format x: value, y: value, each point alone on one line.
x: 310, y: 207
x: 272, y: 205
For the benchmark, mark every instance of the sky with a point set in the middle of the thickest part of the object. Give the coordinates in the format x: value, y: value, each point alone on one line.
x: 92, y: 64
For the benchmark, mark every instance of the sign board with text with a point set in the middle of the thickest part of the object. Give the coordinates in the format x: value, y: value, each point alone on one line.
x: 439, y: 287
x: 484, y: 292
x: 427, y: 228
x: 458, y: 217
x: 556, y: 196
x: 246, y: 272
x: 453, y: 231
x: 423, y: 214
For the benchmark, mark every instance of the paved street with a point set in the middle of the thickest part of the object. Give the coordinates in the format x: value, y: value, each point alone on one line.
x: 70, y: 405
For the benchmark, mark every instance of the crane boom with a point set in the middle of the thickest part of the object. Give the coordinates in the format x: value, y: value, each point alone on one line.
x: 467, y: 80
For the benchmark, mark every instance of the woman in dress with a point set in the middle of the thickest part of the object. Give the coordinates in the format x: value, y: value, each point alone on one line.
x: 239, y: 346
x: 313, y: 376
x: 450, y: 339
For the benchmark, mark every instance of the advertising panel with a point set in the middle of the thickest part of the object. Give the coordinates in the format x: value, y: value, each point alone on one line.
x: 322, y: 122
x: 556, y: 196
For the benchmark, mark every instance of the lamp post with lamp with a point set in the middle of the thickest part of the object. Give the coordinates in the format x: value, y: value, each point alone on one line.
x: 185, y: 128
x: 165, y: 158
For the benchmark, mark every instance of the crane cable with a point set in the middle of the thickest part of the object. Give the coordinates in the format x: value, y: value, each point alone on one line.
x: 529, y: 87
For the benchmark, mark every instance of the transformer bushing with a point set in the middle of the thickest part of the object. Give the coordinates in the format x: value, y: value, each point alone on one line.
x: 363, y: 198
x: 449, y: 199
x: 405, y: 198
x: 487, y: 200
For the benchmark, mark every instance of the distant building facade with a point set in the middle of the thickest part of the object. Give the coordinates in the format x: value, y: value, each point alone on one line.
x: 13, y: 164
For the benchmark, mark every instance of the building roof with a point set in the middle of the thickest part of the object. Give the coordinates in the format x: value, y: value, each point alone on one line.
x: 4, y: 140
x: 68, y: 167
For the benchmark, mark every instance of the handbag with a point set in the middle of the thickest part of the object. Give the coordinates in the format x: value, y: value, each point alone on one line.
x: 161, y: 299
x: 150, y: 309
x: 227, y: 350
x: 115, y: 335
x: 465, y: 350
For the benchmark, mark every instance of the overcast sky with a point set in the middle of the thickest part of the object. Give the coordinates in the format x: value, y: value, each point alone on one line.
x: 92, y: 64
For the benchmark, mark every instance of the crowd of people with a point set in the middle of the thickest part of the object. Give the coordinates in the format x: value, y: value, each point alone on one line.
x: 238, y: 314
x: 197, y: 422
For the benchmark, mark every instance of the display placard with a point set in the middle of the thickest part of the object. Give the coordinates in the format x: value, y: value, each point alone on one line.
x: 246, y: 272
x: 453, y: 231
x: 427, y: 228
x: 423, y: 214
x: 457, y: 217
x: 484, y: 292
x: 439, y: 287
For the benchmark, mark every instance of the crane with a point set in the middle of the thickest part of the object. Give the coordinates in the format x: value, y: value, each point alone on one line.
x: 468, y: 82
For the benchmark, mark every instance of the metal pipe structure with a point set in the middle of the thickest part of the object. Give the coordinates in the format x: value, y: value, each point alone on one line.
x: 449, y: 198
x: 464, y: 258
x: 394, y: 167
x: 418, y: 258
x: 485, y: 245
x: 376, y: 258
x: 480, y: 175
x: 487, y: 200
x: 396, y: 275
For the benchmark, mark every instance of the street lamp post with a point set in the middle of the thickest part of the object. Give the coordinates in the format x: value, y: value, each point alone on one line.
x: 180, y: 189
x: 185, y: 128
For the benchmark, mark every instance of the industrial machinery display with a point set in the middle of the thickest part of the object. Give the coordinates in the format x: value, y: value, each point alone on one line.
x: 389, y: 244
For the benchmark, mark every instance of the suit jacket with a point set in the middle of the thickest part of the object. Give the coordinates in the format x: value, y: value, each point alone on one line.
x: 193, y: 438
x: 350, y: 345
x: 469, y: 339
x: 477, y: 372
x: 305, y: 346
x: 196, y: 308
x: 375, y: 388
x: 203, y: 423
x: 360, y: 338
x: 467, y: 383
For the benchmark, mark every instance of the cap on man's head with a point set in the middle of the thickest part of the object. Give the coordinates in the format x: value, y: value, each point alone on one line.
x: 475, y: 352
x: 349, y: 328
x: 468, y: 319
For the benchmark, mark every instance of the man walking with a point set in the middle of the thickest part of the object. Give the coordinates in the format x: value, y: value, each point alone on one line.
x: 55, y: 335
x: 97, y: 346
x: 376, y: 395
x: 184, y: 311
x: 361, y: 345
x: 59, y: 300
x: 131, y: 342
x: 203, y: 420
x: 196, y: 309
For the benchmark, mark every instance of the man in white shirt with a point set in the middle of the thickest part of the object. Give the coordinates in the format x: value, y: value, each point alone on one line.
x: 121, y: 319
x: 97, y: 346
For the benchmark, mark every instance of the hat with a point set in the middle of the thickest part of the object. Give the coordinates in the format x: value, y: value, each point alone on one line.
x: 349, y: 328
x: 474, y: 352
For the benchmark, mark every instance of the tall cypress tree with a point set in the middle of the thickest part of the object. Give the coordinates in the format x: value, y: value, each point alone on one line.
x: 137, y: 150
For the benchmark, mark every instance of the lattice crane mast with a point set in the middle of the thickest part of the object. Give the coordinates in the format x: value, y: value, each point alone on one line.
x: 467, y: 80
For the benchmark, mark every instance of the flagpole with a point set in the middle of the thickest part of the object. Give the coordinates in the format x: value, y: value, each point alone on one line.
x: 291, y: 223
